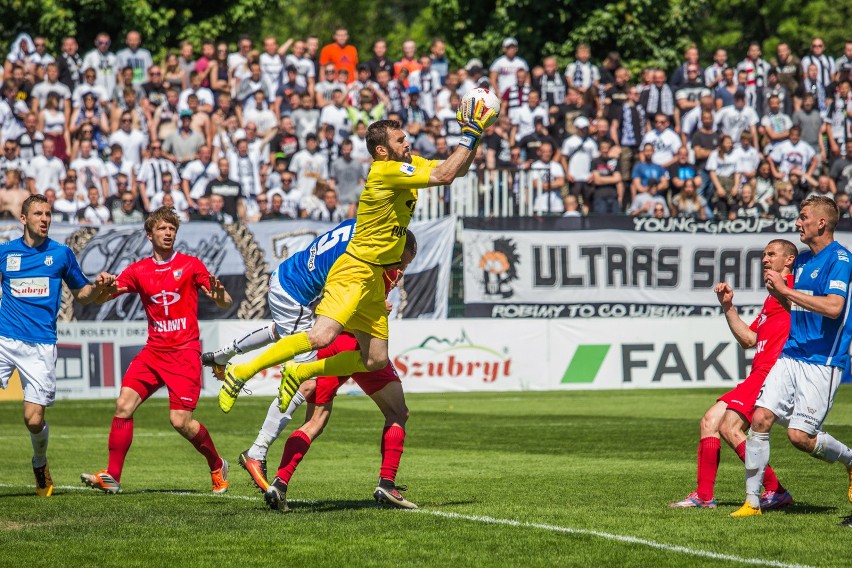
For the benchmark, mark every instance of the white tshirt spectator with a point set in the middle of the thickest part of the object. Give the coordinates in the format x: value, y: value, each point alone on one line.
x: 338, y: 117
x: 304, y: 68
x: 90, y: 171
x: 582, y: 74
x: 136, y: 57
x: 245, y: 168
x: 733, y: 121
x: 271, y: 66
x: 790, y: 156
x: 309, y: 167
x: 776, y: 123
x: 824, y: 63
x: 666, y: 144
x: 125, y: 167
x: 132, y: 143
x: 291, y: 201
x: 748, y: 159
x: 105, y: 63
x: 506, y: 67
x: 524, y: 116
x: 151, y: 174
x: 180, y: 205
x: 198, y: 175
x: 205, y: 97
x: 41, y: 90
x: 429, y: 83
x: 546, y: 172
x: 579, y: 151
x: 83, y: 89
x: 724, y: 166
x: 548, y: 203
x: 10, y: 126
x: 691, y: 121
x: 47, y: 173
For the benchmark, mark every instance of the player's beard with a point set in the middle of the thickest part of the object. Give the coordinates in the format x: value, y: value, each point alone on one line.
x: 403, y: 157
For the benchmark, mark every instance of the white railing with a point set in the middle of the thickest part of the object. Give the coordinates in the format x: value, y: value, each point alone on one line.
x: 500, y: 193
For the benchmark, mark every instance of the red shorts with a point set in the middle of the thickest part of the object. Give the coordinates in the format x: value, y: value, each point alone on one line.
x: 744, y: 395
x: 370, y: 382
x: 179, y: 371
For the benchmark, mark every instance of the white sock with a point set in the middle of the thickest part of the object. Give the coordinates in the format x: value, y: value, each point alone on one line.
x: 756, y: 460
x: 40, y: 446
x: 831, y: 450
x: 249, y: 342
x: 275, y: 423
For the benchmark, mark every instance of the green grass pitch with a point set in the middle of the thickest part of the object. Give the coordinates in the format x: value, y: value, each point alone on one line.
x: 511, y: 479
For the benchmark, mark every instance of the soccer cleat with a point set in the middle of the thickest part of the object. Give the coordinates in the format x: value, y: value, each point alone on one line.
x: 846, y: 522
x: 208, y: 361
x: 256, y: 469
x: 747, y: 510
x: 44, y: 483
x: 693, y: 500
x: 775, y: 500
x: 289, y: 385
x: 390, y: 495
x: 230, y: 390
x: 101, y: 480
x: 276, y: 496
x: 220, y: 478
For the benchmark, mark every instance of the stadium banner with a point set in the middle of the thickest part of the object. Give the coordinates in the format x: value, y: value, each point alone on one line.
x: 243, y: 256
x: 458, y: 355
x: 539, y: 270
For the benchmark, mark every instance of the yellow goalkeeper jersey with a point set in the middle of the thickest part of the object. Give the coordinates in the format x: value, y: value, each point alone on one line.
x: 385, y: 209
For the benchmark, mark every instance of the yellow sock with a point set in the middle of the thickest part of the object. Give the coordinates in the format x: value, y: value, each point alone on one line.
x: 340, y: 365
x: 283, y: 350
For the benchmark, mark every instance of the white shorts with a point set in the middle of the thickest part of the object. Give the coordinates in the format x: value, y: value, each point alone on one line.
x: 36, y: 364
x: 290, y: 316
x: 800, y: 393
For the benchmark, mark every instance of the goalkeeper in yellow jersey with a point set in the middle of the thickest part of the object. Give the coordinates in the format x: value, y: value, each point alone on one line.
x: 354, y: 294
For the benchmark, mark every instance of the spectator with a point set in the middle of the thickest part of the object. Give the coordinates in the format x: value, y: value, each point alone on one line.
x: 551, y: 85
x: 572, y: 206
x: 428, y: 80
x: 691, y: 121
x: 51, y: 121
x: 126, y: 213
x: 166, y: 116
x: 340, y: 54
x: 90, y: 85
x: 150, y: 177
x: 824, y: 63
x: 608, y: 192
x: 726, y: 89
x: 94, y: 212
x: 704, y: 141
x: 658, y: 97
x: 205, y: 95
x: 118, y: 168
x: 202, y: 210
x: 70, y: 63
x: 788, y: 67
x: 724, y: 175
x: 746, y: 204
x: 240, y: 57
x: 330, y: 149
x: 51, y: 84
x: 841, y: 172
x: 67, y: 206
x: 664, y: 140
x: 532, y: 142
x: 154, y: 89
x: 305, y: 119
x: 129, y: 102
x: 170, y: 190
x: 844, y: 62
x: 838, y: 122
x: 713, y: 75
x: 504, y: 69
x: 229, y: 191
x: 203, y: 63
x: 272, y: 63
x: 11, y: 160
x: 328, y: 210
x: 349, y: 177
x: 524, y: 117
x: 775, y: 125
x: 309, y: 165
x: 626, y: 125
x: 409, y: 62
x: 104, y: 63
x: 748, y: 158
x: 325, y: 88
x: 784, y: 205
x: 578, y: 151
x: 92, y: 118
x: 31, y: 140
x: 186, y: 61
x: 45, y: 171
x: 517, y: 95
x: 272, y: 212
x: 680, y: 76
x: 438, y: 55
x: 379, y: 61
x: 91, y: 170
x: 198, y: 174
x: 646, y: 173
x: 288, y: 87
x: 219, y: 72
x: 183, y: 145
x: 645, y: 204
x: 764, y: 184
x: 823, y: 187
x: 688, y: 203
x: 755, y: 66
x: 793, y: 154
x: 843, y: 204
x: 732, y: 121
x: 775, y: 89
x: 582, y: 73
x: 809, y: 120
x: 811, y: 85
x: 680, y: 172
x: 690, y: 90
x: 136, y: 57
x: 131, y: 140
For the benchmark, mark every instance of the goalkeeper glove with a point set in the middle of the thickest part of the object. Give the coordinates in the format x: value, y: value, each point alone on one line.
x: 472, y: 129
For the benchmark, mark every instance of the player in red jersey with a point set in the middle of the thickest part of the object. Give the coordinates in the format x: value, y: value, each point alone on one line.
x: 732, y: 413
x: 383, y: 386
x: 168, y: 284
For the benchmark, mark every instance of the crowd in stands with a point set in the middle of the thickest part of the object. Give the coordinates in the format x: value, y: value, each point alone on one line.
x: 278, y: 131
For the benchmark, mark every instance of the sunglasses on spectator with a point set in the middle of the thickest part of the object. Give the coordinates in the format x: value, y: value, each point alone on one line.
x: 815, y: 45
x: 71, y: 178
x: 156, y: 147
x: 125, y: 200
x: 103, y: 42
x: 286, y: 180
x: 154, y: 73
x: 329, y: 70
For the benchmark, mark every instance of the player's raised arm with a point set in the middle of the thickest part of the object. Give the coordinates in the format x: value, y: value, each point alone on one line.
x: 742, y: 332
x: 458, y: 164
x: 99, y: 292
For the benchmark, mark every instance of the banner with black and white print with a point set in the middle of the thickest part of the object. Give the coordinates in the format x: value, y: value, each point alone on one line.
x: 546, y: 272
x: 243, y: 256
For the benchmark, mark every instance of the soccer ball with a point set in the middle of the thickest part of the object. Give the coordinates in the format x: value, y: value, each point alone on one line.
x: 490, y: 100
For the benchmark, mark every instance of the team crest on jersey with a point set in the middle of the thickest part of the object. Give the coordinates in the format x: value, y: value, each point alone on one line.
x: 48, y: 260
x: 177, y: 273
x: 13, y: 263
x: 407, y: 169
x: 814, y: 273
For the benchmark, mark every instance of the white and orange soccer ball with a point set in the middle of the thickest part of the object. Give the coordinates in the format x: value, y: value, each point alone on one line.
x: 489, y: 101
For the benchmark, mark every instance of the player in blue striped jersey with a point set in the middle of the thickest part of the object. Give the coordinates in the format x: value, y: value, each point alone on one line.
x: 32, y: 269
x: 800, y: 388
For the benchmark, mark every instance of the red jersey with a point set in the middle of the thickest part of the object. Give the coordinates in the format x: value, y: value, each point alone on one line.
x: 772, y: 326
x: 169, y: 293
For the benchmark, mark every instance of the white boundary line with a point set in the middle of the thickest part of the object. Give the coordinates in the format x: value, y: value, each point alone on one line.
x: 505, y: 522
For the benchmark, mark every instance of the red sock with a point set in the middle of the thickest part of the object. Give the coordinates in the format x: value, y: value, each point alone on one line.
x: 204, y: 444
x: 120, y: 438
x: 295, y: 449
x: 393, y: 438
x: 708, y: 465
x: 770, y: 480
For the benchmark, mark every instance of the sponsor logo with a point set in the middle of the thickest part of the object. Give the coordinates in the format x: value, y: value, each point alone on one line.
x: 585, y: 364
x: 30, y: 287
x: 736, y: 226
x: 407, y: 169
x: 165, y: 299
x: 837, y: 285
x: 760, y: 346
x: 169, y: 325
x: 499, y: 269
x: 455, y: 359
x: 812, y: 410
x: 48, y: 260
x: 13, y: 263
